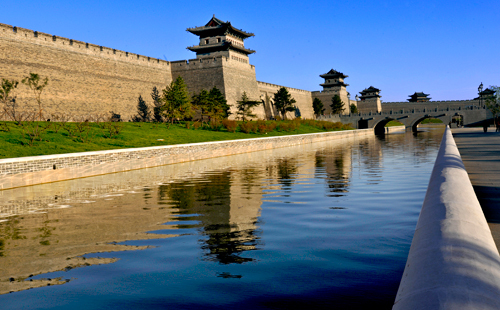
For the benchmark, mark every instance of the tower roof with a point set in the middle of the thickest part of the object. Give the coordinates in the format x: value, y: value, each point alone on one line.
x: 419, y: 97
x: 216, y: 27
x: 222, y: 46
x: 333, y: 74
x: 370, y: 89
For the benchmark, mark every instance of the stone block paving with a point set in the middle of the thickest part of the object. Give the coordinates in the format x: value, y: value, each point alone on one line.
x: 480, y: 152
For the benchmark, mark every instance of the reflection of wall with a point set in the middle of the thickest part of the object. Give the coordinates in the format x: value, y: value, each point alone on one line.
x: 40, y: 233
x: 49, y: 241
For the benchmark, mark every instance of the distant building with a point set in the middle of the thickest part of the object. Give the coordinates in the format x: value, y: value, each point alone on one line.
x: 419, y: 97
x: 370, y: 100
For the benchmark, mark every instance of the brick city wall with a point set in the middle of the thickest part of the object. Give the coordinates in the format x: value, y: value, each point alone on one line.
x: 302, y: 97
x: 452, y: 104
x: 26, y: 171
x: 83, y: 78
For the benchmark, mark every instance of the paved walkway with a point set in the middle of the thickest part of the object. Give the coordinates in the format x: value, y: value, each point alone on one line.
x: 480, y: 153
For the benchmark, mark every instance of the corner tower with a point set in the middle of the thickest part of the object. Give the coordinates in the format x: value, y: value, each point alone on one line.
x: 218, y: 38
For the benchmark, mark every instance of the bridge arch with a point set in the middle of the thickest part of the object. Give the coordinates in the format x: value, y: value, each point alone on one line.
x: 379, y: 127
x: 443, y: 117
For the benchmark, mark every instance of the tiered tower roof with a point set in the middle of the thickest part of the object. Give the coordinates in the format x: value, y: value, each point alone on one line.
x: 419, y: 97
x: 370, y: 92
x: 219, y: 36
x: 333, y: 78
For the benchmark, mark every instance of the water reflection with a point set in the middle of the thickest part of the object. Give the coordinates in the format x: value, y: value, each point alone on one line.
x: 227, y: 214
x: 321, y: 212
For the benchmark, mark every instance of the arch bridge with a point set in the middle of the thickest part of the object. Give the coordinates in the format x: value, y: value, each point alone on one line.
x: 410, y: 118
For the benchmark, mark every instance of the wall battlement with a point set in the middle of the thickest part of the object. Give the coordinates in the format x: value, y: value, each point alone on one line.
x: 279, y: 86
x: 41, y: 38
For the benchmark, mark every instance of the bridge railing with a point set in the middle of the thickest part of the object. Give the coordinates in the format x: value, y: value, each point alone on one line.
x: 403, y: 112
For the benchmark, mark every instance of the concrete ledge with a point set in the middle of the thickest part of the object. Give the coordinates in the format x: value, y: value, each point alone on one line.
x: 395, y: 128
x: 26, y: 171
x: 453, y: 261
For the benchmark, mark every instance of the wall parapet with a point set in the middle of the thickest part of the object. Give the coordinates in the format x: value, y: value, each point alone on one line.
x: 26, y: 171
x: 453, y: 261
x: 279, y: 86
x: 37, y: 37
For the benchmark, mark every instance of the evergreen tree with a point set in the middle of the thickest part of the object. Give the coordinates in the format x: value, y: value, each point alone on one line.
x: 283, y: 102
x: 244, y: 107
x: 201, y: 102
x: 221, y: 109
x: 155, y: 95
x: 318, y: 107
x: 337, y: 105
x: 143, y: 113
x: 212, y: 104
x: 176, y: 102
x: 354, y: 108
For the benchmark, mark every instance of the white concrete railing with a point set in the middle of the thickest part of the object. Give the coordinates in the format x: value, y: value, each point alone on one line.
x: 453, y: 261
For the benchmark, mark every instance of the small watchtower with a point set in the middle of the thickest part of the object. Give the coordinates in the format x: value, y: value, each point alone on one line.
x: 334, y: 80
x: 370, y: 100
x: 419, y: 97
x: 334, y: 85
x: 218, y: 38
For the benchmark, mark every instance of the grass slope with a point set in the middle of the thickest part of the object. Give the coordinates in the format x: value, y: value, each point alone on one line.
x: 13, y: 142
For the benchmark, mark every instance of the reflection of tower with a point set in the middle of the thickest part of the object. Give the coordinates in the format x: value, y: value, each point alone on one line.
x: 227, y: 213
x: 337, y: 163
x: 246, y: 201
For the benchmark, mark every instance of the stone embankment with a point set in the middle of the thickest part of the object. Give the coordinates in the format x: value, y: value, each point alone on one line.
x: 26, y: 171
x: 453, y: 261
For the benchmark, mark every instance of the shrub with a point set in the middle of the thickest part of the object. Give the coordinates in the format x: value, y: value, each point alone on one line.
x: 197, y: 125
x: 230, y: 125
x: 248, y: 127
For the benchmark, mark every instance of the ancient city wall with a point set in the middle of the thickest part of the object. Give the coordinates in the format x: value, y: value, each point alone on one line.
x: 83, y: 78
x: 326, y: 97
x: 452, y: 104
x: 302, y: 97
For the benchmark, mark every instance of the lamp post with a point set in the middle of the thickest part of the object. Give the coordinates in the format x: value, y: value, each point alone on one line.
x: 480, y: 90
x: 357, y: 98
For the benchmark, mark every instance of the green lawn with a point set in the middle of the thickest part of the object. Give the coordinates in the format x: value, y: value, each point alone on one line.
x: 15, y: 143
x: 393, y: 123
x: 432, y: 121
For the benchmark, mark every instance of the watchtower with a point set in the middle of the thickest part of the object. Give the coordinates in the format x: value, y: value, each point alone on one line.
x: 419, y: 97
x: 334, y: 85
x: 370, y: 100
x: 218, y: 38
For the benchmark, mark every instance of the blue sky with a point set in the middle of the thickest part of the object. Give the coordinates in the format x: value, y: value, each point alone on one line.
x: 443, y: 48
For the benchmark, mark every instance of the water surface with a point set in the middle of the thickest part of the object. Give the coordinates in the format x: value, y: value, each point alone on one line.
x: 327, y: 225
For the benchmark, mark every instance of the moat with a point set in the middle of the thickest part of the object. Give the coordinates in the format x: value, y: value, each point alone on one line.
x: 327, y: 225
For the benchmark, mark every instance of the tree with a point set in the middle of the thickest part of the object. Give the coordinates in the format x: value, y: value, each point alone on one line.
x: 212, y: 104
x: 219, y: 103
x: 318, y: 107
x: 354, y: 108
x: 143, y: 113
x: 37, y: 85
x: 6, y: 87
x: 155, y: 95
x: 283, y: 102
x: 8, y: 106
x: 337, y: 105
x: 244, y: 107
x: 493, y: 103
x: 176, y: 101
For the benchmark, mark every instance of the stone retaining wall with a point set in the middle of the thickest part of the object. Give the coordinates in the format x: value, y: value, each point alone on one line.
x: 26, y: 171
x: 453, y: 261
